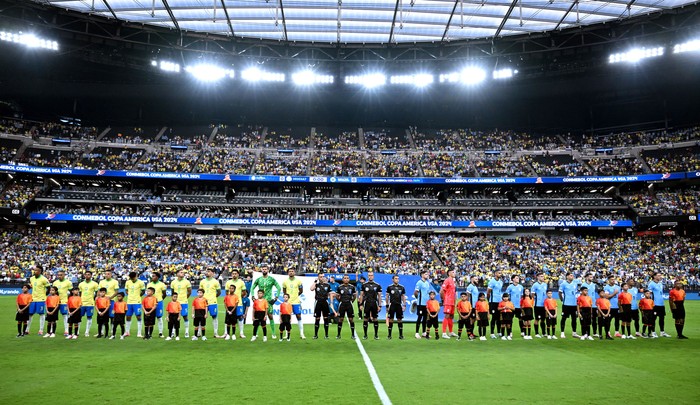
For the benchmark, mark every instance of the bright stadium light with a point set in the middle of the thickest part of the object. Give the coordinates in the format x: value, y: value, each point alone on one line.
x: 635, y: 55
x: 308, y: 78
x: 209, y: 73
x: 469, y: 76
x: 168, y: 66
x: 506, y: 73
x: 691, y: 46
x: 418, y: 79
x: 369, y: 81
x: 254, y: 74
x: 28, y: 40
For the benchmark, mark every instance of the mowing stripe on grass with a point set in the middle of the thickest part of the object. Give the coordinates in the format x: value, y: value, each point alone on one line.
x: 373, y: 374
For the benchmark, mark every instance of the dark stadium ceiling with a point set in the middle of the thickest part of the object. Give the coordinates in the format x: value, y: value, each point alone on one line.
x: 368, y: 21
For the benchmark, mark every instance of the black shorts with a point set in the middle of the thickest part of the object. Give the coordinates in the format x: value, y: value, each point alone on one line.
x: 625, y: 314
x: 322, y: 309
x: 518, y: 313
x: 150, y: 319
x: 232, y: 318
x: 648, y: 317
x: 679, y: 312
x: 493, y: 308
x: 527, y: 314
x: 24, y: 316
x: 286, y: 318
x: 614, y: 313
x: 200, y: 320
x: 395, y: 311
x: 174, y: 318
x: 568, y: 311
x: 507, y: 317
x: 586, y: 316
x: 540, y: 313
x: 346, y: 309
x: 472, y: 314
x: 370, y: 310
x: 660, y: 310
x: 118, y: 319
x: 75, y: 318
x: 483, y: 318
x: 634, y: 314
x: 432, y: 322
x: 103, y: 319
x: 260, y: 316
x: 51, y: 317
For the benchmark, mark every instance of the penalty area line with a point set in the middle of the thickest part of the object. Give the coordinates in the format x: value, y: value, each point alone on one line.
x: 373, y: 374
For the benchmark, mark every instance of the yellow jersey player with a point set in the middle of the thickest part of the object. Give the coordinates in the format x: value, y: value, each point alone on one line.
x: 39, y: 285
x: 160, y: 293
x: 183, y: 288
x: 135, y: 289
x: 294, y: 288
x: 88, y: 289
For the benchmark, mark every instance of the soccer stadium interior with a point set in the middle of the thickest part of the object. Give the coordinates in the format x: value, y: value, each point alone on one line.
x: 341, y: 136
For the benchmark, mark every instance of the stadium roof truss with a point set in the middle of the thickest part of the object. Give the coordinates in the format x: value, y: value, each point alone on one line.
x: 344, y: 22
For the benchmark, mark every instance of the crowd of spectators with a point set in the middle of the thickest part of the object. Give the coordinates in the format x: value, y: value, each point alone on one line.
x: 446, y: 165
x: 635, y: 138
x: 169, y: 161
x: 226, y: 161
x: 328, y: 139
x: 17, y: 195
x: 665, y: 203
x: 16, y: 127
x: 437, y: 140
x: 242, y: 136
x: 110, y: 158
x: 131, y: 135
x: 385, y: 139
x: 616, y: 166
x: 557, y: 165
x: 673, y: 160
x: 337, y: 164
x: 398, y: 165
x: 58, y: 130
x: 287, y: 138
x: 49, y: 157
x: 282, y: 164
x: 9, y: 149
x: 623, y: 257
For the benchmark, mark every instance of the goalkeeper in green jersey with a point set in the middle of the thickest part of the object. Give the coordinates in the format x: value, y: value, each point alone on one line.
x: 266, y: 283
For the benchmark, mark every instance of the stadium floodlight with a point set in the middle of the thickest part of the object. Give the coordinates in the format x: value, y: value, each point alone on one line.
x: 635, y: 55
x: 309, y: 77
x: 418, y: 79
x: 691, y: 46
x: 469, y: 76
x: 369, y: 81
x: 253, y: 74
x: 209, y: 73
x: 168, y: 66
x: 506, y: 73
x: 28, y: 40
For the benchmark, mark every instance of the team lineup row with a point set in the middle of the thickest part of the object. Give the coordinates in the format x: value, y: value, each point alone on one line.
x: 582, y: 300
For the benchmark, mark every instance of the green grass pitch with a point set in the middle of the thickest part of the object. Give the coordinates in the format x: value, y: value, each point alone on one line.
x: 88, y: 370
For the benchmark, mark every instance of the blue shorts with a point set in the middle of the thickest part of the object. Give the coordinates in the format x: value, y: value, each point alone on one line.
x: 240, y: 310
x: 63, y: 308
x: 37, y: 308
x: 111, y: 309
x: 296, y: 309
x: 87, y: 311
x: 159, y: 309
x: 213, y: 310
x: 185, y: 310
x: 133, y: 309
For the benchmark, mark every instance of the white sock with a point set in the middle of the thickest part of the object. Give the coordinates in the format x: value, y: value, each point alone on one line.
x: 65, y: 324
x: 42, y: 319
x: 301, y: 327
x: 187, y: 328
x: 240, y: 327
x: 138, y: 326
x: 29, y: 323
x: 160, y: 325
x: 128, y: 326
x: 88, y: 325
x: 216, y: 326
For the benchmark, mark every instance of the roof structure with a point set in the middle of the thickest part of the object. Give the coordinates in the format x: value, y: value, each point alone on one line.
x: 368, y: 21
